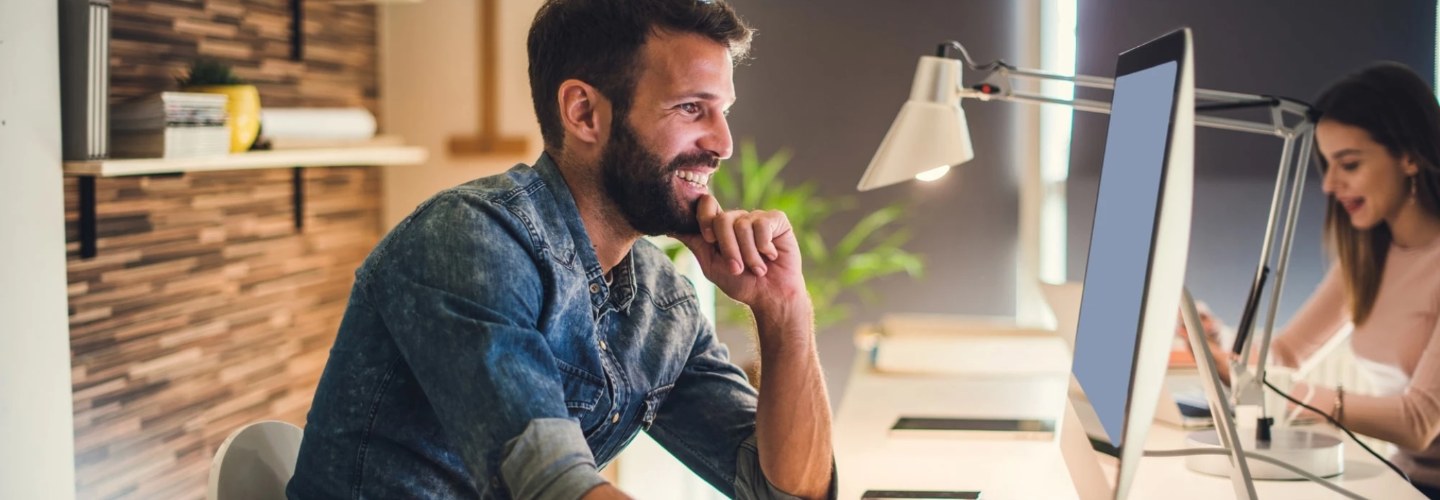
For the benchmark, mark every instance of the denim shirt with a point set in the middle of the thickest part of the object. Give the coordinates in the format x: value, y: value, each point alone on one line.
x: 484, y: 355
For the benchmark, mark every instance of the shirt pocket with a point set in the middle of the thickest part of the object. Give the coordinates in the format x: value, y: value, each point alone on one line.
x: 650, y: 408
x: 584, y: 396
x: 653, y: 400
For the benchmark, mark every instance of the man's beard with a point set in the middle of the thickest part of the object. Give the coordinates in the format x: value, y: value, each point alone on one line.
x: 641, y: 184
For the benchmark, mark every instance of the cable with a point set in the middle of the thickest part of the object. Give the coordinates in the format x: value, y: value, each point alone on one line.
x: 1256, y: 456
x: 1341, y: 426
x: 965, y: 56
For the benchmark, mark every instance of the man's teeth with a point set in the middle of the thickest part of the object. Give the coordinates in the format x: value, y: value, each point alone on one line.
x: 695, y: 178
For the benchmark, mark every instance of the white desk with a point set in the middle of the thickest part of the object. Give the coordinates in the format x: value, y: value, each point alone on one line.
x: 868, y: 457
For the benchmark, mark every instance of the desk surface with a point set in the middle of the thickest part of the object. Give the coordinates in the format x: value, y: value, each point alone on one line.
x: 869, y: 457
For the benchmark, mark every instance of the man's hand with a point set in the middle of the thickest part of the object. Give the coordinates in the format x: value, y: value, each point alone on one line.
x: 751, y: 256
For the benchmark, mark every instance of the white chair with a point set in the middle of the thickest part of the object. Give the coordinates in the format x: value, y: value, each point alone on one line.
x: 255, y: 462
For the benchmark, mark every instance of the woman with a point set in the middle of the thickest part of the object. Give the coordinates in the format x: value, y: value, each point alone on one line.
x: 1378, y: 143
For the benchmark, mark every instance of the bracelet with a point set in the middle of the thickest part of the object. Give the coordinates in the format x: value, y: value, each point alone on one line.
x: 1339, y: 412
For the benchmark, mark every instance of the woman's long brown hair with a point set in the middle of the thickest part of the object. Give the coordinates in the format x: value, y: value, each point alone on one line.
x: 1399, y: 111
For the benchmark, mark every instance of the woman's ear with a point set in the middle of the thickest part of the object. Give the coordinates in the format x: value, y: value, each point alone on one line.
x: 1408, y: 165
x: 584, y: 112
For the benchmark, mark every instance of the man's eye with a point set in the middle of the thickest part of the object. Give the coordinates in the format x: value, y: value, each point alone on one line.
x: 690, y: 107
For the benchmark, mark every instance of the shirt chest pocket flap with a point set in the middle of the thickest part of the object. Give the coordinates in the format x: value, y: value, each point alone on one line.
x: 584, y: 395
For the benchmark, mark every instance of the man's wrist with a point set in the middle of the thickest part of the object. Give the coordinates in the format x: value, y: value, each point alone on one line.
x: 791, y: 313
x: 785, y: 328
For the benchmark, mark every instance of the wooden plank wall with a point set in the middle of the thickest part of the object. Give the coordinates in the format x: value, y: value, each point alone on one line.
x: 205, y: 309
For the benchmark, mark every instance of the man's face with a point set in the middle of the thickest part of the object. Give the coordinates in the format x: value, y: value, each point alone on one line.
x: 658, y: 159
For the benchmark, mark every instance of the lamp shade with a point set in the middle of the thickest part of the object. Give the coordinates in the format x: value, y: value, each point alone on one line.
x: 929, y: 133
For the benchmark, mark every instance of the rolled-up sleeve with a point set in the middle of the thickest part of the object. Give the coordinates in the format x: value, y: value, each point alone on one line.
x: 460, y: 291
x: 550, y: 460
x: 708, y: 423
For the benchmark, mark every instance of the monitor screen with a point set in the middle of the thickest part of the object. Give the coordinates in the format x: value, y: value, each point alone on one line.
x: 1121, y: 241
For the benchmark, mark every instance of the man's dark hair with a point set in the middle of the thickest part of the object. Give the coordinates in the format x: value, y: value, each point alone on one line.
x: 598, y: 42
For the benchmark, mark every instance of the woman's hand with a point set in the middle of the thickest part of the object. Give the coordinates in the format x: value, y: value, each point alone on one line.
x: 1212, y: 326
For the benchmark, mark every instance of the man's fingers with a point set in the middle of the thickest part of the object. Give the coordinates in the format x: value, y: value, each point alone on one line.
x: 705, y: 213
x: 739, y: 239
x: 745, y: 236
x: 765, y: 230
x: 724, y: 228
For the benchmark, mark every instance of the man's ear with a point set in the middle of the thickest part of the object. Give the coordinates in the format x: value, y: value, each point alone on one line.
x: 584, y: 112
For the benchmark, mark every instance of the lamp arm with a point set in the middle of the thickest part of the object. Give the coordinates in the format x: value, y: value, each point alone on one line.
x: 1287, y: 240
x: 1206, y: 100
x: 1298, y: 134
x: 1275, y: 126
x: 943, y: 50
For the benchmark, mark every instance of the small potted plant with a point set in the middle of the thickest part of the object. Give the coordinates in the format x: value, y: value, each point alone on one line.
x: 214, y: 77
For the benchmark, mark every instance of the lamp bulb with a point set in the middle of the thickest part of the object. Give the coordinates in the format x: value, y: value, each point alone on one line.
x: 933, y: 174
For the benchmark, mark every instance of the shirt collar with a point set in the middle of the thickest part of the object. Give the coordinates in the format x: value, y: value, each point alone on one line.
x: 623, y: 287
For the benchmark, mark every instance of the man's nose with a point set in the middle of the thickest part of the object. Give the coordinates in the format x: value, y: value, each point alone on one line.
x: 717, y: 140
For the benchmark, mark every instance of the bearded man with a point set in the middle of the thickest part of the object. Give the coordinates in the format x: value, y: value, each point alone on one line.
x: 512, y: 335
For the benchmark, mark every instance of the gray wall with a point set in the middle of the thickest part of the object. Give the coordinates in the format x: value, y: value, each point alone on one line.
x: 826, y: 81
x: 1291, y: 48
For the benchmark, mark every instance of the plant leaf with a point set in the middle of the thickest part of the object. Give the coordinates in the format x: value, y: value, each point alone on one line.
x: 723, y: 185
x: 758, y: 176
x: 866, y: 228
x: 812, y: 247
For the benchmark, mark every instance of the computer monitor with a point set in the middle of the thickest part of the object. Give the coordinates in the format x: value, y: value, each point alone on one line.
x: 1136, y: 265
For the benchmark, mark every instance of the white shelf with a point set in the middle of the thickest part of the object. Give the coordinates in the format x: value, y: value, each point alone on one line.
x: 326, y: 157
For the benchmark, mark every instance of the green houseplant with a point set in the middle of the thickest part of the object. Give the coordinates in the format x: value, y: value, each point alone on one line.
x: 872, y: 248
x: 243, y: 110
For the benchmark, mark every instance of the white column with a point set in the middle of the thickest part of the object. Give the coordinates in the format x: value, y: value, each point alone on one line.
x: 1025, y: 138
x: 37, y: 444
x: 1058, y: 52
x: 1045, y: 40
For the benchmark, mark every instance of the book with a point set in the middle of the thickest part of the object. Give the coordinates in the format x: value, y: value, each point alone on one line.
x: 171, y: 142
x: 169, y: 109
x: 170, y: 125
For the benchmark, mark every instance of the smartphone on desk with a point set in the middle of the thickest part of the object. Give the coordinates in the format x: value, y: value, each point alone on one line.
x: 919, y: 495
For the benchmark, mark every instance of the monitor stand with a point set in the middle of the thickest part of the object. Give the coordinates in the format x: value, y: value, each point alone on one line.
x: 1313, y: 452
x: 1225, y: 434
x: 1087, y: 467
x: 1316, y: 453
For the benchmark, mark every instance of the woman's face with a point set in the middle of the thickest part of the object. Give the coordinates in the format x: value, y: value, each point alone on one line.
x: 1362, y: 176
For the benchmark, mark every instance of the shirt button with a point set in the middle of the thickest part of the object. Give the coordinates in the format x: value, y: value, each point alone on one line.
x: 615, y: 418
x: 594, y: 288
x: 602, y: 345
